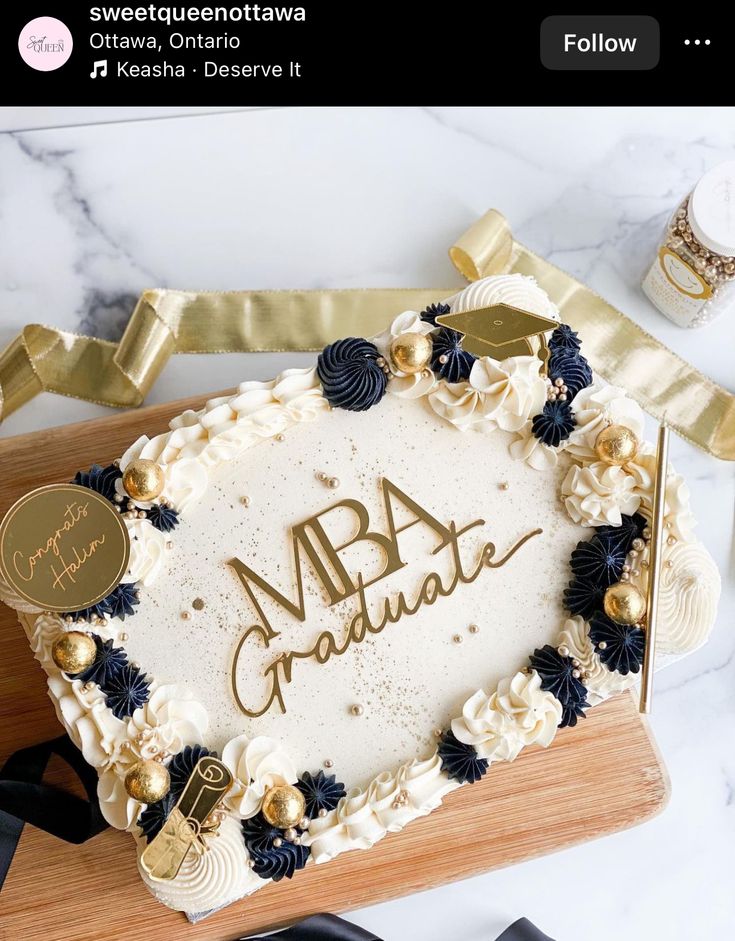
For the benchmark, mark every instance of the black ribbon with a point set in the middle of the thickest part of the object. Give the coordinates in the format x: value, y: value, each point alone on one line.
x: 24, y: 798
x: 330, y: 928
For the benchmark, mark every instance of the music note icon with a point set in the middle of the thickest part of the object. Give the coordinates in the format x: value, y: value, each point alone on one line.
x: 99, y: 69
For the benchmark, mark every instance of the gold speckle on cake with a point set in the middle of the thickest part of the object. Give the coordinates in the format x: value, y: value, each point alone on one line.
x: 198, y: 604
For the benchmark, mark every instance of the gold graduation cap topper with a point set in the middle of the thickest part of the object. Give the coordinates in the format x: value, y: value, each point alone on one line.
x: 500, y: 331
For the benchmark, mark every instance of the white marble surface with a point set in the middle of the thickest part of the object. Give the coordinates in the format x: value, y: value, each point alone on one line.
x: 91, y: 215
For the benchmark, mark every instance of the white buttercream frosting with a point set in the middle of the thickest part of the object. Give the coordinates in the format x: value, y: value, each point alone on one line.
x: 44, y: 631
x: 594, y: 408
x: 197, y: 441
x: 460, y: 405
x: 210, y: 879
x: 512, y: 390
x: 517, y: 290
x: 256, y: 765
x: 91, y: 725
x: 689, y: 590
x: 498, y: 395
x: 678, y: 517
x: 517, y: 714
x: 532, y: 451
x: 118, y: 808
x: 601, y: 683
x: 147, y: 552
x: 599, y: 494
x: 171, y: 719
x: 389, y: 803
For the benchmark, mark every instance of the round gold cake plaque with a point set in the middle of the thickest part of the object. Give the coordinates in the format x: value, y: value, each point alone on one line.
x: 63, y: 547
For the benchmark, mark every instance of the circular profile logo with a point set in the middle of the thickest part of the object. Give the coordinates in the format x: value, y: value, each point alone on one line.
x: 45, y: 43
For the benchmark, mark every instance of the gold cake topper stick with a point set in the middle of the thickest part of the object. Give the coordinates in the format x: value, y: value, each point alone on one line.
x: 657, y: 537
x: 500, y: 331
x: 165, y: 854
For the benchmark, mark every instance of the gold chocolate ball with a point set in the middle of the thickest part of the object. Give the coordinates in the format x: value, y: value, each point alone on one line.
x: 283, y: 806
x: 73, y: 651
x: 616, y: 444
x: 410, y: 352
x: 148, y: 781
x: 143, y: 480
x: 624, y: 603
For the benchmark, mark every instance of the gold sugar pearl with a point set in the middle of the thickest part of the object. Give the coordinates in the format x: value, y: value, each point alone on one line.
x: 457, y: 638
x: 474, y: 628
x: 280, y: 437
x: 245, y: 501
x: 124, y: 637
x: 322, y: 476
x: 185, y: 615
x: 333, y: 483
x: 671, y: 541
x: 328, y: 763
x: 357, y: 709
x: 504, y: 485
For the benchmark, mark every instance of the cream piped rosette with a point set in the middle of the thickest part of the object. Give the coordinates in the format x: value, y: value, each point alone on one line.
x: 460, y: 405
x: 209, y: 879
x: 599, y: 494
x: 90, y: 724
x: 171, y: 719
x: 532, y: 714
x: 147, y: 552
x: 600, y: 682
x: 256, y: 765
x: 532, y: 451
x: 596, y: 407
x: 678, y: 518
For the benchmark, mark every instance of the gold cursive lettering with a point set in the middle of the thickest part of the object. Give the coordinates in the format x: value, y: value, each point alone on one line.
x: 26, y: 567
x: 70, y: 569
x: 280, y: 670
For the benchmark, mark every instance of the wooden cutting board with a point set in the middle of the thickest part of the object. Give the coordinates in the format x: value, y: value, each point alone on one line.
x: 603, y: 776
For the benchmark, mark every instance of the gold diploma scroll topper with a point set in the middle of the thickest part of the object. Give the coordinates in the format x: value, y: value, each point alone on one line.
x: 165, y: 854
x: 63, y: 547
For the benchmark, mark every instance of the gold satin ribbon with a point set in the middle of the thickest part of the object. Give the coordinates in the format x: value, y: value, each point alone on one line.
x: 165, y: 322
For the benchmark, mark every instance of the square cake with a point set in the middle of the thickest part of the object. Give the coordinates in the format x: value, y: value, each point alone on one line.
x: 350, y: 590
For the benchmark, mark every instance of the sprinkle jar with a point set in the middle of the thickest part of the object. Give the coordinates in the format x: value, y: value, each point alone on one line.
x: 692, y: 278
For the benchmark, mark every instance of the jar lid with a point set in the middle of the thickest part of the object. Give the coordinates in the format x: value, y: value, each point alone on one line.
x: 712, y: 209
